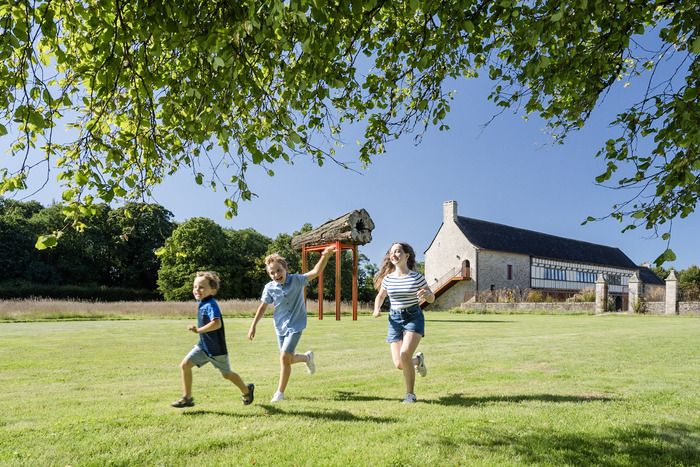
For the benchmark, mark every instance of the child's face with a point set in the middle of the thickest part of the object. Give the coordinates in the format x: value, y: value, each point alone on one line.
x: 277, y: 272
x: 201, y: 288
x: 397, y: 256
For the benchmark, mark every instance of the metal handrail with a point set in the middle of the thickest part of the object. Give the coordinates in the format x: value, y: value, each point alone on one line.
x: 454, y: 273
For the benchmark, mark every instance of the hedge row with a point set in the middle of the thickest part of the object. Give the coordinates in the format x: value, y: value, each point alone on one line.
x: 99, y: 293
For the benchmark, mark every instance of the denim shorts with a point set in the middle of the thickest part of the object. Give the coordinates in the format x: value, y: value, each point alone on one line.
x: 289, y: 342
x: 200, y: 358
x: 409, y: 319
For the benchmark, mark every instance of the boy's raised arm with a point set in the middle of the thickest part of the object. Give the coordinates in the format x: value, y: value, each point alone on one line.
x: 321, y: 265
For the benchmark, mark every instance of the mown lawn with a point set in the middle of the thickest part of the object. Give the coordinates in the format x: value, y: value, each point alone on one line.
x: 501, y: 390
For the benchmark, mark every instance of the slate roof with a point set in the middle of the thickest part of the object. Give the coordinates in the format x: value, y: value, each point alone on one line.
x: 648, y: 276
x: 499, y: 237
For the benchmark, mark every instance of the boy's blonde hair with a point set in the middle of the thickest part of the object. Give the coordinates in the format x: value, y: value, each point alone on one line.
x: 276, y: 258
x: 212, y: 277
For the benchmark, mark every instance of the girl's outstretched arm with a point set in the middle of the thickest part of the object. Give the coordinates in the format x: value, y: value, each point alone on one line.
x: 378, y: 301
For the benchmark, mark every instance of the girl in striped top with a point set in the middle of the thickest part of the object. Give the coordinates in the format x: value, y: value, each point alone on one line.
x: 405, y: 288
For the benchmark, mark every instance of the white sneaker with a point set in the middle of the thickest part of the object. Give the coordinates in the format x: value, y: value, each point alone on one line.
x: 410, y: 398
x: 420, y: 366
x: 277, y: 397
x: 310, y: 364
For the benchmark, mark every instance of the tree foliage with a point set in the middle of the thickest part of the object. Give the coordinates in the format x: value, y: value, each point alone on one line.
x: 149, y: 88
x: 689, y: 282
x: 115, y: 250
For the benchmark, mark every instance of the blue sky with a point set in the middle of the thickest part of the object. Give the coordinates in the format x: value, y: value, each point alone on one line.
x: 509, y: 173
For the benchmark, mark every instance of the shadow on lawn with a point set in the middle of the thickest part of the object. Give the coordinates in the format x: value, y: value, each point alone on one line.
x: 639, y: 445
x: 330, y: 415
x: 467, y: 401
x: 471, y: 321
x: 355, y: 397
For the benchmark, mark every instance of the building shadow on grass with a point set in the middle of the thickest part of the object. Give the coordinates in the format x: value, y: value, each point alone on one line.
x: 647, y: 445
x: 471, y: 401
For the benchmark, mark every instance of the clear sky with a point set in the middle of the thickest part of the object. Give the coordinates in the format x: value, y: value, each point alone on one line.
x: 508, y: 173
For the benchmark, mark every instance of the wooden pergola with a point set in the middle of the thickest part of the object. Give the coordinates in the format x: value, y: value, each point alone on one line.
x: 339, y: 247
x: 345, y: 233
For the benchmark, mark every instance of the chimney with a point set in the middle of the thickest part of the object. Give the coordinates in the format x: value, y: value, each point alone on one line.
x: 449, y: 211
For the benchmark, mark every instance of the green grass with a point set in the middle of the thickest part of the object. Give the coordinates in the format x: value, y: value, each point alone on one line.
x: 500, y: 390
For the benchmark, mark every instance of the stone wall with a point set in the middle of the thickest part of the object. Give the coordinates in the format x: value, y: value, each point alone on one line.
x: 453, y: 297
x: 551, y: 307
x: 689, y: 308
x: 684, y: 308
x: 492, y: 269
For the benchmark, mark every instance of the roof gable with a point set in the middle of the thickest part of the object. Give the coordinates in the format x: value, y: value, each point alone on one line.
x: 499, y: 237
x: 648, y: 276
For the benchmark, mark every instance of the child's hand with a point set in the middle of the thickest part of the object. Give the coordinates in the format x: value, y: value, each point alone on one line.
x: 377, y: 313
x: 328, y: 250
x: 192, y: 328
x: 423, y: 294
x: 251, y: 332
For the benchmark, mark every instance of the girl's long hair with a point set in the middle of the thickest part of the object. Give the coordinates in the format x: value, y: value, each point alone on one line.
x: 387, y: 268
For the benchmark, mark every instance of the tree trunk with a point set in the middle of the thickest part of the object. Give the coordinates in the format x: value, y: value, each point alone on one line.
x: 354, y: 227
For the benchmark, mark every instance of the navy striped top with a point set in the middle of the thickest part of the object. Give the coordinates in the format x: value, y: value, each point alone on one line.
x: 402, y: 290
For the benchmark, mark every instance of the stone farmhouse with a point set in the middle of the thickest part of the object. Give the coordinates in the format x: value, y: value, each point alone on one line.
x: 470, y: 259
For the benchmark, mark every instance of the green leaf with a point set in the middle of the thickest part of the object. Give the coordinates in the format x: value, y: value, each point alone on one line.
x: 664, y: 257
x: 557, y: 16
x: 46, y: 241
x: 695, y: 48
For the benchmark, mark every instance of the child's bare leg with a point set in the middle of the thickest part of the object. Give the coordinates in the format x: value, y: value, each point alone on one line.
x: 286, y: 360
x: 236, y: 379
x: 186, y: 371
x: 410, y: 344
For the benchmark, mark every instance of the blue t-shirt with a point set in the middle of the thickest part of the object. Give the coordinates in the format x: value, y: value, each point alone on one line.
x: 288, y: 300
x: 402, y: 290
x: 212, y: 343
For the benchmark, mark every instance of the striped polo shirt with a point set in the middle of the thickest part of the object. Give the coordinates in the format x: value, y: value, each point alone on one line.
x: 402, y: 290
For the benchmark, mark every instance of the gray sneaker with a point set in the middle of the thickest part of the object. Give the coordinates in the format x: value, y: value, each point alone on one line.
x: 420, y: 366
x: 183, y: 402
x: 310, y: 364
x: 410, y: 398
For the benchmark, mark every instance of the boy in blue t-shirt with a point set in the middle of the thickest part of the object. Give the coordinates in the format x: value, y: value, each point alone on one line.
x: 285, y: 293
x: 212, y: 341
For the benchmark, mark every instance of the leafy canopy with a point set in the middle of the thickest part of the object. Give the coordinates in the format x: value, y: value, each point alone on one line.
x: 149, y: 88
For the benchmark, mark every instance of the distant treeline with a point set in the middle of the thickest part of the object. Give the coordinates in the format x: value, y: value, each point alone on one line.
x: 137, y: 252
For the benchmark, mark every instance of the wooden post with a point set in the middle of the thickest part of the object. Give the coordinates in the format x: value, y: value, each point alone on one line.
x: 320, y: 296
x: 354, y: 282
x: 338, y: 255
x: 303, y: 270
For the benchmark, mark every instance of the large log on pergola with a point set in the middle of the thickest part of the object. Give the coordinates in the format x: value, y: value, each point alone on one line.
x: 354, y: 227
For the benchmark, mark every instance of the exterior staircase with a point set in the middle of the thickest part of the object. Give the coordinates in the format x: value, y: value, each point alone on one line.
x: 450, y: 278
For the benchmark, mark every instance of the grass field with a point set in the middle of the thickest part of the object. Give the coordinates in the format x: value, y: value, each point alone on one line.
x: 501, y: 390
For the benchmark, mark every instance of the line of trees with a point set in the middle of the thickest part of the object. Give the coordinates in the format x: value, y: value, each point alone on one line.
x: 138, y: 252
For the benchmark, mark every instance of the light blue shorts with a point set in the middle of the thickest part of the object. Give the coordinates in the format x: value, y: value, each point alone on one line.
x: 289, y: 342
x: 409, y: 319
x: 200, y: 358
